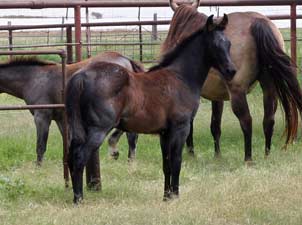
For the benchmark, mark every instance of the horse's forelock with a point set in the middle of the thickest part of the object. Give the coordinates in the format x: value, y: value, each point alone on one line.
x: 186, y: 20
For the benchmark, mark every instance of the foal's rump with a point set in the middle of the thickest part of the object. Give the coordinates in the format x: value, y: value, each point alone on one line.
x: 99, y: 86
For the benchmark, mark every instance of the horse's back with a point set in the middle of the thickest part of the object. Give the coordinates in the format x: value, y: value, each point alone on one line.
x: 117, y: 58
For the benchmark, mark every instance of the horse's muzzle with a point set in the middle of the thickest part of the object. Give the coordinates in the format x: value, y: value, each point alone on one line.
x: 230, y: 73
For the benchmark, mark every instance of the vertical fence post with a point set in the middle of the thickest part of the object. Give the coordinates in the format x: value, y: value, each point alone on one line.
x: 154, y: 28
x: 140, y: 43
x: 10, y: 37
x: 88, y: 34
x: 69, y: 44
x: 293, y: 32
x: 78, y: 38
x: 47, y: 37
x: 65, y: 129
x: 62, y: 29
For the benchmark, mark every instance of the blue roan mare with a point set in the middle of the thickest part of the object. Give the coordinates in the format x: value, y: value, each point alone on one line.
x: 40, y: 82
x: 257, y: 51
x: 162, y: 101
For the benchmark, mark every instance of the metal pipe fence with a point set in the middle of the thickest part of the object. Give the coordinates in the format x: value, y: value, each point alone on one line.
x: 125, y: 39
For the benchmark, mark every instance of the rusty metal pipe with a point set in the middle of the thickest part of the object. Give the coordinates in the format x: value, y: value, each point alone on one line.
x: 78, y: 38
x: 69, y: 47
x: 25, y: 107
x: 124, y: 23
x: 37, y: 52
x: 293, y: 32
x: 163, y: 3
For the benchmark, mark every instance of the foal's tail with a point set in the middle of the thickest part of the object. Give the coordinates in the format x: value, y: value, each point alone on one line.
x: 282, y: 73
x: 74, y: 90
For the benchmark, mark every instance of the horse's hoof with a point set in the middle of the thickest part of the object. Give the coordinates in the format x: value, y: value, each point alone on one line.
x: 131, y: 159
x: 191, y: 151
x: 167, y: 196
x: 115, y: 155
x: 39, y: 163
x: 67, y: 184
x: 217, y: 155
x: 170, y: 196
x: 94, y: 186
x: 249, y: 163
x: 78, y: 199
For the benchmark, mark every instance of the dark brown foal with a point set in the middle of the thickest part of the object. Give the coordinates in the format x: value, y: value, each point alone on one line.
x: 162, y: 101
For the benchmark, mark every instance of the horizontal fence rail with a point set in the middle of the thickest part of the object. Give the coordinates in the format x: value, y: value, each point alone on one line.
x: 64, y: 4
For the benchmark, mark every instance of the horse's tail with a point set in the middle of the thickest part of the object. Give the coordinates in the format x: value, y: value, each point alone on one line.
x: 282, y: 73
x: 74, y: 91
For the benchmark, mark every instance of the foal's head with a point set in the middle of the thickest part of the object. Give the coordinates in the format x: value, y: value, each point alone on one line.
x: 218, y: 47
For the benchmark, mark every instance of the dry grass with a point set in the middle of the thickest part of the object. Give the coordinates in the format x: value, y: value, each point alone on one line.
x: 213, y: 191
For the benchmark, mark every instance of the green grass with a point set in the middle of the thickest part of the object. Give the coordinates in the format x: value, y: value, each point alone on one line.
x: 212, y: 191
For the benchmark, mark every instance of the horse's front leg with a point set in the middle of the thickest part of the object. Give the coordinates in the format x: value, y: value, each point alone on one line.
x: 217, y: 109
x: 132, y: 140
x: 42, y: 121
x: 172, y: 144
x: 241, y: 110
x: 166, y: 149
x: 79, y: 156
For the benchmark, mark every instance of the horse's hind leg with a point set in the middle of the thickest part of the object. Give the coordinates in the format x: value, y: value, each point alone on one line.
x: 270, y: 107
x: 241, y: 110
x: 93, y: 175
x: 217, y: 109
x: 189, y: 141
x: 132, y: 140
x: 112, y: 141
x: 79, y: 156
x: 42, y: 121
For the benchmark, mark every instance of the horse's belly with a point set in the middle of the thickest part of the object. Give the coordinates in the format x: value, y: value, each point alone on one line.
x: 143, y: 122
x: 145, y: 126
x: 214, y: 88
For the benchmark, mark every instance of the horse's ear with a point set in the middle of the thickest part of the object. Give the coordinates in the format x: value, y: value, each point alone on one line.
x: 210, y: 23
x: 224, y: 22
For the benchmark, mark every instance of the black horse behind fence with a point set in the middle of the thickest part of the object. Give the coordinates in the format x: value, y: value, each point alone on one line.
x: 39, y: 82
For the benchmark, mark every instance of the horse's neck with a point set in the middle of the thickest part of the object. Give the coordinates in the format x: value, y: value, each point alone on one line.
x: 190, y: 65
x: 13, y: 81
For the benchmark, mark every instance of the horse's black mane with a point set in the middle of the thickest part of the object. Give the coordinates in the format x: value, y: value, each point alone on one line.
x: 168, y: 57
x: 26, y: 61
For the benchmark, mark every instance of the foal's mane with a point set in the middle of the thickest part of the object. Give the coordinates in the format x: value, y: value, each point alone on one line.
x: 185, y: 21
x: 168, y: 57
x: 26, y: 61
